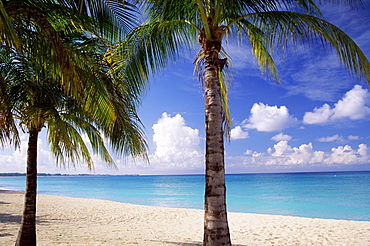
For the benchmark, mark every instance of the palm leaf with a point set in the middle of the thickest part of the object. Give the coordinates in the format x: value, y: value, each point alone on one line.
x: 148, y: 49
x: 114, y: 18
x: 260, y: 47
x: 67, y: 144
x: 294, y: 28
x: 9, y: 134
x: 7, y: 31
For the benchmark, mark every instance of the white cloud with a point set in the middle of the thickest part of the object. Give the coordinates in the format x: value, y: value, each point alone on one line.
x: 16, y: 160
x: 177, y: 150
x: 282, y: 154
x: 352, y: 106
x: 286, y: 155
x: 335, y: 138
x: 177, y: 145
x: 318, y: 116
x: 282, y: 149
x: 270, y: 118
x: 281, y: 136
x: 252, y: 153
x: 347, y: 155
x: 238, y: 133
x: 351, y: 137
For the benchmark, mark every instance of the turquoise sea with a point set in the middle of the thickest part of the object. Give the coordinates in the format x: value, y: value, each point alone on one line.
x: 334, y: 195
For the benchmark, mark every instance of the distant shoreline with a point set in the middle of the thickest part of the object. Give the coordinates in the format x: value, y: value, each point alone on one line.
x: 16, y: 174
x: 62, y: 174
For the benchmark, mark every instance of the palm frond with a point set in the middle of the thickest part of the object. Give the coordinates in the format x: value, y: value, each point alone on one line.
x: 259, y: 41
x: 9, y: 134
x: 224, y: 84
x: 148, y: 49
x: 110, y: 99
x: 8, y: 34
x: 293, y: 28
x: 114, y: 18
x: 167, y: 10
x: 77, y: 119
x: 40, y: 38
x: 204, y: 10
x: 67, y: 144
x: 127, y: 137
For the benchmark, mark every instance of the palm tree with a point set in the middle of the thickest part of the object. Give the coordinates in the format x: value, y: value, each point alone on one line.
x: 32, y: 97
x: 53, y: 74
x: 172, y: 27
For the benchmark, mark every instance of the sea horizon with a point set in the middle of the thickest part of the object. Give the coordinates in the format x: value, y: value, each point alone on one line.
x: 328, y: 195
x: 5, y: 174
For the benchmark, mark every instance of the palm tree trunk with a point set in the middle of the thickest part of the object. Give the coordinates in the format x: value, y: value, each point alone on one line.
x: 216, y: 229
x: 27, y: 232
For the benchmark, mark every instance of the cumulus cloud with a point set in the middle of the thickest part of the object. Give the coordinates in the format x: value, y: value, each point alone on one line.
x: 353, y: 106
x: 177, y: 149
x: 282, y: 154
x: 347, y: 155
x: 177, y: 145
x: 252, y: 153
x: 238, y: 133
x: 281, y: 136
x: 267, y: 118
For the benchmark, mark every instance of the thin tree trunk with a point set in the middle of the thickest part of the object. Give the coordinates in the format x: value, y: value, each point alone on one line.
x: 216, y: 229
x: 27, y: 232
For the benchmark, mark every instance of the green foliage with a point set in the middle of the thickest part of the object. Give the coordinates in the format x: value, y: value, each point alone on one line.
x: 59, y: 79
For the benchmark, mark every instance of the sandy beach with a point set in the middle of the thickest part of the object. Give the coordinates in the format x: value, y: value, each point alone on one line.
x: 76, y: 221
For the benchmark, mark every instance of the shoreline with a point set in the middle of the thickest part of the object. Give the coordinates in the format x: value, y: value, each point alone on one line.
x: 80, y: 221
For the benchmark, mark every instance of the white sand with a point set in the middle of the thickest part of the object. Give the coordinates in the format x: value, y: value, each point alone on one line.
x: 75, y: 221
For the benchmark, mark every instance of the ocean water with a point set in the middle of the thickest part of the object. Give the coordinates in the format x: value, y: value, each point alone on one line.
x: 339, y: 195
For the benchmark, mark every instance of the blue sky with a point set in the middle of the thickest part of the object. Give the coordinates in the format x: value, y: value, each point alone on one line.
x: 316, y: 120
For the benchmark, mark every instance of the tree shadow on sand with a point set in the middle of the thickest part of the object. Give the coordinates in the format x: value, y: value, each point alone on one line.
x: 10, y: 218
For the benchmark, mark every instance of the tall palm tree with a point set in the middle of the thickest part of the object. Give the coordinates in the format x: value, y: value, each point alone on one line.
x: 53, y: 74
x: 33, y: 98
x: 171, y: 27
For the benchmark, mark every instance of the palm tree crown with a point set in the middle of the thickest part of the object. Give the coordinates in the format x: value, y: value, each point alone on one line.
x: 59, y: 40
